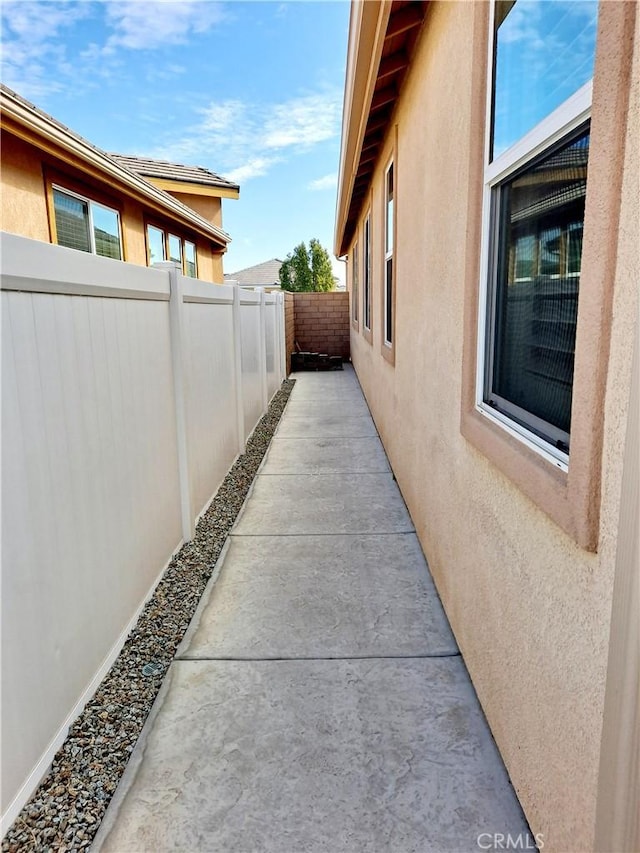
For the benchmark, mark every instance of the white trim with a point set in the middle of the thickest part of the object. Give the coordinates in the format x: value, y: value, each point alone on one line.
x: 366, y: 272
x: 355, y: 281
x: 388, y: 255
x: 92, y: 236
x: 553, y: 128
x: 531, y: 440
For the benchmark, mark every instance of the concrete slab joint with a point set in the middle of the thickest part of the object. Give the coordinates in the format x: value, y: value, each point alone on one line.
x: 318, y: 701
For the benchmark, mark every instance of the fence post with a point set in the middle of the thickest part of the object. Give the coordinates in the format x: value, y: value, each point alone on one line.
x: 283, y: 339
x: 237, y: 368
x: 276, y: 336
x: 176, y: 320
x: 263, y: 351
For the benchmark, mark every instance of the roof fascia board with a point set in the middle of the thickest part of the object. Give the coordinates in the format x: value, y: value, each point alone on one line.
x: 367, y: 30
x: 51, y: 133
x: 192, y: 188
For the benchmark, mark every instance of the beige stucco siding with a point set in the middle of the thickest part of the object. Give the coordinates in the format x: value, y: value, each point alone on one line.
x: 209, y: 208
x: 529, y: 607
x: 23, y: 207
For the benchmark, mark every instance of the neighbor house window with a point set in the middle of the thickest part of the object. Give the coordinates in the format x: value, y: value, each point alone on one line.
x: 366, y: 295
x: 155, y: 245
x: 175, y: 249
x: 354, y: 283
x: 535, y: 186
x: 162, y: 246
x: 389, y: 225
x: 85, y: 225
x: 190, y: 266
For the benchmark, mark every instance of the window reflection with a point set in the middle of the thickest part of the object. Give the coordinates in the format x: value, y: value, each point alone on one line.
x: 541, y: 216
x: 544, y: 52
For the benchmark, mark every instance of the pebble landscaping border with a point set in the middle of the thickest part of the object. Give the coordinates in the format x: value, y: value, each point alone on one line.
x: 65, y: 812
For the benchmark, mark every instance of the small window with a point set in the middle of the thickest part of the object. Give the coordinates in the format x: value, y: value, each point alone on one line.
x: 366, y: 295
x: 190, y: 267
x: 86, y: 225
x: 155, y: 245
x: 354, y: 283
x: 535, y: 187
x: 175, y: 249
x: 389, y: 225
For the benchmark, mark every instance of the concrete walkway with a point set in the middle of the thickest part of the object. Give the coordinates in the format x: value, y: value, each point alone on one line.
x: 318, y: 702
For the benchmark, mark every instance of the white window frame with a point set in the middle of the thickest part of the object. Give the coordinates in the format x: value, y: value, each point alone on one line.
x: 389, y: 231
x: 560, y: 123
x: 185, y: 260
x: 355, y: 284
x: 166, y: 238
x: 90, y: 202
x: 366, y: 273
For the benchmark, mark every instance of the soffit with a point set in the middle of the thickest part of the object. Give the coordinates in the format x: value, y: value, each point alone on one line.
x: 399, y: 35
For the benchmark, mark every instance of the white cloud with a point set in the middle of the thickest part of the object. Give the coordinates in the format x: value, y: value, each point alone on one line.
x: 148, y: 24
x: 32, y: 38
x: 302, y: 121
x: 245, y: 140
x: 255, y: 168
x: 328, y: 182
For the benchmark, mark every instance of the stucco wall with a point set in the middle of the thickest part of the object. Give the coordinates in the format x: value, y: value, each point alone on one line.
x: 209, y: 208
x: 529, y: 607
x: 23, y: 208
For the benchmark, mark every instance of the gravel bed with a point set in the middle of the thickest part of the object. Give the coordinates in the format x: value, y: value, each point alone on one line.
x: 65, y: 811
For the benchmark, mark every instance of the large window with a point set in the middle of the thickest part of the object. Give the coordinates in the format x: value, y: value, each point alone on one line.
x: 366, y: 295
x: 535, y: 185
x: 389, y: 227
x: 86, y: 225
x: 162, y: 246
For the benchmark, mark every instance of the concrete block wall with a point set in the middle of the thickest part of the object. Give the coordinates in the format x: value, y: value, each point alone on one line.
x: 321, y: 322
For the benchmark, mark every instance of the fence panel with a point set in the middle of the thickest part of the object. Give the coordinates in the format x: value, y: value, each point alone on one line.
x: 211, y: 413
x: 90, y: 493
x: 272, y: 356
x: 251, y: 360
x: 111, y: 392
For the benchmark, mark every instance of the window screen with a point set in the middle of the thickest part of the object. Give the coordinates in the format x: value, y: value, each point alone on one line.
x: 72, y: 221
x: 540, y: 213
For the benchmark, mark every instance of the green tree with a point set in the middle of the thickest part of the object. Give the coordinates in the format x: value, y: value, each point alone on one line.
x: 321, y: 269
x: 307, y: 269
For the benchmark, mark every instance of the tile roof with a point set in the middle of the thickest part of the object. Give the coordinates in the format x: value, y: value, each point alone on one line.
x: 149, y: 168
x: 260, y: 275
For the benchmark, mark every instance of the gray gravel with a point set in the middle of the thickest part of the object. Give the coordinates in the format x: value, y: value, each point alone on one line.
x: 65, y: 812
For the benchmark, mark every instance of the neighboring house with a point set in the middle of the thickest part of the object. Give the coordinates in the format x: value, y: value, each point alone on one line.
x: 261, y: 276
x: 488, y: 206
x: 59, y: 188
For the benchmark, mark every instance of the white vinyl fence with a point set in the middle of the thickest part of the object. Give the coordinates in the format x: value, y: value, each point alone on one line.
x: 127, y: 393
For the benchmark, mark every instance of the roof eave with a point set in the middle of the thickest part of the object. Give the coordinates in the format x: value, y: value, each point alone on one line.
x: 382, y: 38
x: 44, y: 127
x: 367, y: 27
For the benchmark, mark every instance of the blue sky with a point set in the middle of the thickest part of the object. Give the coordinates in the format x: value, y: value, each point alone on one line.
x: 252, y: 91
